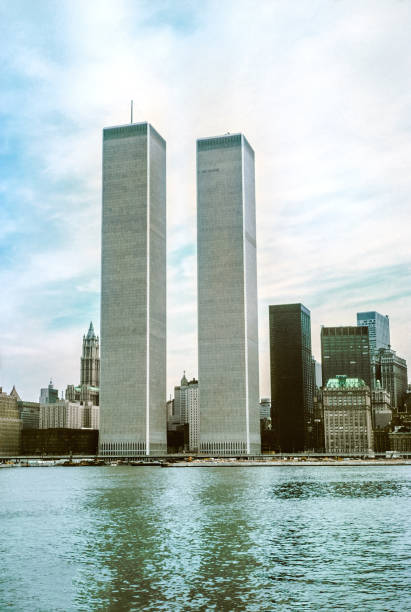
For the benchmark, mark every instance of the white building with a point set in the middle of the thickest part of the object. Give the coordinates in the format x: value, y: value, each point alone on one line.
x: 227, y: 296
x: 184, y: 409
x: 69, y: 415
x: 133, y: 292
x: 347, y: 416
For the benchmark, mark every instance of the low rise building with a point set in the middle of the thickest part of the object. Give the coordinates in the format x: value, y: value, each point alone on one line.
x: 347, y: 416
x: 400, y: 440
x: 58, y: 441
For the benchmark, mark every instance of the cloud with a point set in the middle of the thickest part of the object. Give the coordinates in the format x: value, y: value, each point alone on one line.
x: 322, y: 91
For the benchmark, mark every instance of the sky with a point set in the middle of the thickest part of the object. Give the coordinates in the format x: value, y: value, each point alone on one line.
x: 320, y: 88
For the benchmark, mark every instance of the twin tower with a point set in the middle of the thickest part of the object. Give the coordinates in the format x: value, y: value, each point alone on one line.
x: 133, y: 296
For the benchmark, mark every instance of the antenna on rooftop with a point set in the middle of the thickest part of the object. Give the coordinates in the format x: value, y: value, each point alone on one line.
x: 131, y: 112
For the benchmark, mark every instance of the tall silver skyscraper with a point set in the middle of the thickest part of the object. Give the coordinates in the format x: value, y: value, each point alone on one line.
x: 227, y: 296
x: 133, y: 292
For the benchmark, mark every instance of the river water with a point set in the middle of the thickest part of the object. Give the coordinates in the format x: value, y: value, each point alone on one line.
x: 235, y: 538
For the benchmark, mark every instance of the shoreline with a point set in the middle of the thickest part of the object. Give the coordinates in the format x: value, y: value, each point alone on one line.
x: 215, y: 463
x: 350, y: 463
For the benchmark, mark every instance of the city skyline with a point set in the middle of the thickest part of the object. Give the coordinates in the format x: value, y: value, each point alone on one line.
x: 321, y: 95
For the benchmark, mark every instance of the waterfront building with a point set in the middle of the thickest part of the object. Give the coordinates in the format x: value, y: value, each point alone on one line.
x: 292, y: 376
x: 391, y: 371
x: 400, y: 439
x: 10, y: 425
x: 378, y: 329
x: 345, y: 350
x: 347, y: 416
x: 59, y: 441
x: 381, y: 407
x: 49, y: 395
x: 227, y: 296
x: 133, y: 292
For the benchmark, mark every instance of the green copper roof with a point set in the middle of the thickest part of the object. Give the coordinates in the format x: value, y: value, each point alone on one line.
x: 342, y: 382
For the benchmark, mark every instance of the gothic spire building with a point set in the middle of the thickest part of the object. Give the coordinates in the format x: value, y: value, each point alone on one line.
x: 90, y: 359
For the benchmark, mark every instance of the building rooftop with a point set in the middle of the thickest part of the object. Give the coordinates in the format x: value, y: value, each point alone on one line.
x: 343, y: 383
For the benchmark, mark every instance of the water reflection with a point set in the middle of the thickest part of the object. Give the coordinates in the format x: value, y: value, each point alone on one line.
x: 204, y: 539
x: 366, y: 489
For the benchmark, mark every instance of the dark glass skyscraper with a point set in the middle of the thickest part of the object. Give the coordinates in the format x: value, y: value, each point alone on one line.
x: 292, y: 384
x: 345, y: 351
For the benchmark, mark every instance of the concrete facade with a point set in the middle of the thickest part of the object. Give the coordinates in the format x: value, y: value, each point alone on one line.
x: 133, y: 292
x: 61, y: 414
x: 10, y: 425
x: 347, y: 416
x: 227, y: 297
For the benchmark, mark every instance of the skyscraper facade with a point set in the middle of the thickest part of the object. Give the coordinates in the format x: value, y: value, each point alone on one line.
x: 391, y: 371
x: 227, y: 296
x: 346, y: 351
x: 378, y: 326
x: 133, y: 292
x: 347, y: 416
x: 87, y: 393
x: 292, y: 376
